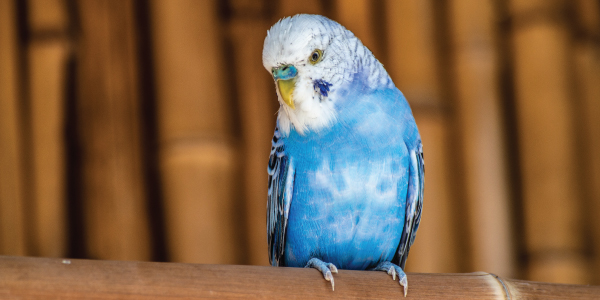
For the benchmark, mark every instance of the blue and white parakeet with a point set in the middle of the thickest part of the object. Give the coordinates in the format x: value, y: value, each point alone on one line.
x: 346, y: 166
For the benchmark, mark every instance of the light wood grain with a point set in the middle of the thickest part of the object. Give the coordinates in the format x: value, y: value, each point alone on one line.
x: 43, y: 278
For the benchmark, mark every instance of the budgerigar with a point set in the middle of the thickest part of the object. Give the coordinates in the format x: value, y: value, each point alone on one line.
x: 346, y: 166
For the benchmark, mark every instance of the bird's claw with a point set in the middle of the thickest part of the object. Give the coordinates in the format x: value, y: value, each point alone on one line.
x: 394, y: 270
x: 404, y: 283
x: 326, y: 268
x: 333, y: 268
x: 329, y: 277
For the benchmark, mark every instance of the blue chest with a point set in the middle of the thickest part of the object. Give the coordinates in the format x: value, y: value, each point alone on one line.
x: 349, y: 196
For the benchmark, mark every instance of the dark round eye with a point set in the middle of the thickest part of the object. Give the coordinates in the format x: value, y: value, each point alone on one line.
x: 315, y: 56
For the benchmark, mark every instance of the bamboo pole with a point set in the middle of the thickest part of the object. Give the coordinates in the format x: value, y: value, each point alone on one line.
x: 46, y: 60
x: 197, y: 151
x: 587, y: 73
x: 258, y: 105
x: 47, y: 53
x: 108, y: 118
x: 12, y: 227
x: 288, y: 8
x: 479, y: 118
x: 47, y: 16
x: 545, y: 107
x: 413, y: 66
x: 43, y: 278
x: 359, y: 16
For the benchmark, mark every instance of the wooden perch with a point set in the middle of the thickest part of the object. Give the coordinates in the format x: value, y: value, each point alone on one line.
x: 51, y: 278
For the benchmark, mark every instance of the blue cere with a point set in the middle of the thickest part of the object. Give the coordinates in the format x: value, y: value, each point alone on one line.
x: 285, y: 72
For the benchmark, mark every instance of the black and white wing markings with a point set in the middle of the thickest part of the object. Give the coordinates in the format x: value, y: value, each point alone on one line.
x: 414, y: 205
x: 281, y: 184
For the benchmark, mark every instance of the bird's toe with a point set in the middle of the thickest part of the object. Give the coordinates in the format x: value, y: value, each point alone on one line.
x: 394, y: 270
x: 325, y: 268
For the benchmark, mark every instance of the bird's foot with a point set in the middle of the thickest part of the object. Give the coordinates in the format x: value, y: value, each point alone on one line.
x: 325, y: 268
x: 394, y: 270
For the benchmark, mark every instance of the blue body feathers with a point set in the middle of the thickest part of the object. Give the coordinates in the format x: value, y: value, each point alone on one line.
x: 346, y: 170
x: 350, y: 182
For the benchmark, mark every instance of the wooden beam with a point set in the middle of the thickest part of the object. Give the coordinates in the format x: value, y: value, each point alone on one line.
x: 32, y: 278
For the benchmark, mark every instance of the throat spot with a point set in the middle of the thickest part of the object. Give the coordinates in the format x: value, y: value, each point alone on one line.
x: 322, y: 87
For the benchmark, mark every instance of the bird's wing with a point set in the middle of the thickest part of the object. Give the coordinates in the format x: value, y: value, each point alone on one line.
x: 414, y: 204
x: 281, y: 184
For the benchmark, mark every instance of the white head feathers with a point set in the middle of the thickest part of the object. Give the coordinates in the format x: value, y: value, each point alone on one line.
x: 291, y: 41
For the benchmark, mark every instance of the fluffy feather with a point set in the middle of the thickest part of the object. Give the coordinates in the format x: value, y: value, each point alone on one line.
x: 291, y: 41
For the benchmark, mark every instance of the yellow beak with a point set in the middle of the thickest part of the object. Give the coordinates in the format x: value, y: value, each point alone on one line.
x: 285, y: 77
x: 286, y: 89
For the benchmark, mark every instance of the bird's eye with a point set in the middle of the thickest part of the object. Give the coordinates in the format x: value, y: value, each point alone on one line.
x: 315, y: 56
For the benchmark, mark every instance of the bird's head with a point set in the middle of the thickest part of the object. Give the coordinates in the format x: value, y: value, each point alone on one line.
x: 311, y: 59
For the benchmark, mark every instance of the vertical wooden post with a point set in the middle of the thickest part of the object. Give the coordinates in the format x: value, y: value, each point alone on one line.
x: 545, y: 112
x: 479, y: 115
x: 257, y: 106
x: 413, y: 66
x: 47, y: 54
x: 288, y: 8
x: 12, y: 228
x: 109, y: 120
x: 358, y: 16
x: 587, y: 64
x: 197, y: 147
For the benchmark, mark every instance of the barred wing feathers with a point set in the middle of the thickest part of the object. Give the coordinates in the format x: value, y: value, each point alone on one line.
x: 414, y: 205
x: 281, y: 184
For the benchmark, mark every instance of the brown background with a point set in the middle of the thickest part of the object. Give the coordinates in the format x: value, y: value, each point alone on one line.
x: 140, y: 129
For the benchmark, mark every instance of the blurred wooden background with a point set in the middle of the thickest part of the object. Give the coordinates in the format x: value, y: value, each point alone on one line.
x: 140, y: 129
